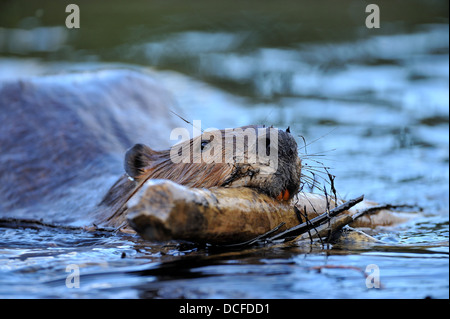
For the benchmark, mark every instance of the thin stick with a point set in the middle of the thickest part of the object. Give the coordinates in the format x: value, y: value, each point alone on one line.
x: 309, y: 222
x: 300, y: 229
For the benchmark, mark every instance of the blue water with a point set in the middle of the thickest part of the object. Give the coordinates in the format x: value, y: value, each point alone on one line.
x: 373, y: 107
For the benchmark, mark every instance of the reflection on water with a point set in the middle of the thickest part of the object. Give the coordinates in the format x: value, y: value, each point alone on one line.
x: 372, y: 104
x: 124, y: 266
x: 41, y: 39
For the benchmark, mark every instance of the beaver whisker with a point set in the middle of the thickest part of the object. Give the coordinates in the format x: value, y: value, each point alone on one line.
x: 306, y: 177
x: 310, y: 182
x: 320, y: 173
x: 317, y: 161
x: 315, y: 183
x: 317, y: 154
x: 303, y: 185
x: 317, y: 173
x: 306, y: 165
x: 328, y: 179
x: 316, y: 138
x: 315, y: 170
x: 186, y: 121
x: 311, y: 187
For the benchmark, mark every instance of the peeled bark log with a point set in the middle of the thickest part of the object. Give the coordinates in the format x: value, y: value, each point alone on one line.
x: 164, y: 210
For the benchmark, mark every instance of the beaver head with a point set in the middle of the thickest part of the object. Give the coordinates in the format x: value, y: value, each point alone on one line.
x: 262, y: 158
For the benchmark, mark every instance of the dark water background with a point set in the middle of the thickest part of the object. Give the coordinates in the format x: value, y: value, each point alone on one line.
x: 372, y: 104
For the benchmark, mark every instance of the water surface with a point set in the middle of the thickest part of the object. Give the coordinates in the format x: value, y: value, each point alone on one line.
x: 372, y: 105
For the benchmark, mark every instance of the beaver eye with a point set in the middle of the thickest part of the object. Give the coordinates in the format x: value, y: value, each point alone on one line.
x: 204, y: 143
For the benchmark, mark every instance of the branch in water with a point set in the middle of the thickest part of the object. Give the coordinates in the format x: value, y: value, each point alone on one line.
x: 315, y: 222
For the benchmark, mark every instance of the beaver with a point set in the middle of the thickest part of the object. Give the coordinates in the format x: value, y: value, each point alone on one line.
x: 209, y: 167
x: 63, y: 138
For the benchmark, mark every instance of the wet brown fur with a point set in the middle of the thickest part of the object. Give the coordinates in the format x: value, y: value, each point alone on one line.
x: 143, y: 163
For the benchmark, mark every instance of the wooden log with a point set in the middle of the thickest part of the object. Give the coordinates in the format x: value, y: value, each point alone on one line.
x: 163, y: 210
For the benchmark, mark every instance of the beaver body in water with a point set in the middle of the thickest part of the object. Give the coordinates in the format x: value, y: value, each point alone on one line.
x: 63, y: 138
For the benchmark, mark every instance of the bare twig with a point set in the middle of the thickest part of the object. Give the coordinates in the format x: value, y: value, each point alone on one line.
x: 333, y: 189
x: 302, y: 228
x: 309, y: 222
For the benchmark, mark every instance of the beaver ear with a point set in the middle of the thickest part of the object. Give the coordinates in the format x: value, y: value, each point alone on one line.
x: 137, y: 159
